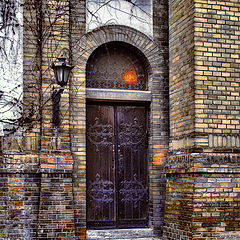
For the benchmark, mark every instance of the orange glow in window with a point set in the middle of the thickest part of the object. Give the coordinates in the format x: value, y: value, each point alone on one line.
x: 130, y: 76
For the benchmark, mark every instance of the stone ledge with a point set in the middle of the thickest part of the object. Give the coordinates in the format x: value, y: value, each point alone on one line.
x: 118, y: 95
x: 201, y: 162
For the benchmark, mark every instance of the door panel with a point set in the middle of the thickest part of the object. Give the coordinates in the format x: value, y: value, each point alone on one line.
x: 132, y: 165
x: 100, y: 165
x: 116, y: 166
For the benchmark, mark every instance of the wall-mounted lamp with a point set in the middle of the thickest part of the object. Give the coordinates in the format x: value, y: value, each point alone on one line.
x: 62, y: 72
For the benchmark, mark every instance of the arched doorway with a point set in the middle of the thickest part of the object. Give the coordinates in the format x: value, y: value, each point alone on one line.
x: 117, y: 139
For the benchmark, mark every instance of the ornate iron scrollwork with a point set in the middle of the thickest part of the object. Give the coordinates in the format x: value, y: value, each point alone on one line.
x: 131, y: 134
x: 132, y: 191
x: 100, y: 134
x: 115, y: 67
x: 101, y: 191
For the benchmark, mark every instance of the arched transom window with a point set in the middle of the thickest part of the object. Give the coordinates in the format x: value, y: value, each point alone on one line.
x: 115, y: 66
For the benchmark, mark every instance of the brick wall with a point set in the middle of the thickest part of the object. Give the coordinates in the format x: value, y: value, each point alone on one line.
x: 216, y: 205
x: 202, y: 205
x: 181, y: 68
x: 217, y: 63
x: 179, y: 207
x: 212, y: 182
x: 19, y: 199
x: 179, y: 185
x: 160, y: 115
x: 217, y: 74
x: 204, y: 63
x: 56, y: 210
x: 77, y: 108
x: 204, y: 74
x: 56, y: 158
x: 36, y: 168
x: 208, y: 153
x: 32, y: 66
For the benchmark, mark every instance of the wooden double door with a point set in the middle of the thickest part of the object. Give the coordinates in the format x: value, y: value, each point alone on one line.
x: 117, y: 176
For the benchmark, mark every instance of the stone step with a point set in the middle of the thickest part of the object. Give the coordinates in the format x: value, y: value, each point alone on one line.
x: 132, y: 238
x: 122, y: 234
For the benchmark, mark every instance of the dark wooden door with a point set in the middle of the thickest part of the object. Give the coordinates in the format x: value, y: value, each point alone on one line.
x: 117, y: 193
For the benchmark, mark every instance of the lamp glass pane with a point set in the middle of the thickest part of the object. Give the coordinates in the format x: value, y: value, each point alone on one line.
x: 66, y: 74
x: 59, y: 75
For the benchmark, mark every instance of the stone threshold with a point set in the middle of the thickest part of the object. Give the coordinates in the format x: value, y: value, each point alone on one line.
x: 122, y: 234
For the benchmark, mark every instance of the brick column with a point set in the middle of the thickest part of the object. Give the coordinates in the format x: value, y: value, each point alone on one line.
x: 46, y: 37
x: 78, y: 113
x: 203, y: 173
x: 159, y: 136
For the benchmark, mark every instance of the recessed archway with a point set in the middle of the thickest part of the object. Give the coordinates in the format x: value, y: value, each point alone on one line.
x: 145, y: 47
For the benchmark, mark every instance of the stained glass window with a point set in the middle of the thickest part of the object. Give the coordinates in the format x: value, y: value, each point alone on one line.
x: 115, y: 67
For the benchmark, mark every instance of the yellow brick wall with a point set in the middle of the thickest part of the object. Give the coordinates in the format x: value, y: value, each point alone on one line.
x: 181, y: 68
x: 203, y: 163
x: 217, y: 75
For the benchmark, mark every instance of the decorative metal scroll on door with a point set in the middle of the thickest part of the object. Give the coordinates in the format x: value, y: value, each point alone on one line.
x: 101, y: 191
x: 100, y: 134
x: 131, y: 134
x: 116, y: 67
x: 132, y: 191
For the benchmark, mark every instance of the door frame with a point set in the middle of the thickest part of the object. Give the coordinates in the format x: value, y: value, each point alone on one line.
x: 146, y: 104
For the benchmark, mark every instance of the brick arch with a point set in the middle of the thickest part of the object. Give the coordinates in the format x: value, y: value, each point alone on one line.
x: 158, y: 87
x: 112, y: 33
